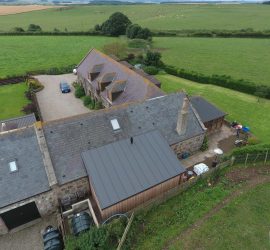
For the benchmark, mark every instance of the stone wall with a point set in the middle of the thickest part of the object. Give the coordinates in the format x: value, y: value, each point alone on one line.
x: 191, y: 145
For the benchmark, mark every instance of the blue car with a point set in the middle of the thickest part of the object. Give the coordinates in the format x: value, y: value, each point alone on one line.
x: 64, y: 87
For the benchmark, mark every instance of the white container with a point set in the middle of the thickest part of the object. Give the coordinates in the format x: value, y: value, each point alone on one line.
x: 200, y: 168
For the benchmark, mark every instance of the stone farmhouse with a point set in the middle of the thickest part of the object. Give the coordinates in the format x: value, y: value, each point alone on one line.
x: 115, y: 82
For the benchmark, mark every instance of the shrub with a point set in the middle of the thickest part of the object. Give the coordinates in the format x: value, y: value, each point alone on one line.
x: 34, y: 28
x: 30, y: 108
x: 136, y: 31
x: 153, y: 59
x: 98, y: 105
x: 34, y: 85
x: 204, y: 146
x: 79, y: 91
x: 151, y: 70
x: 87, y: 101
x: 28, y: 95
x: 18, y: 29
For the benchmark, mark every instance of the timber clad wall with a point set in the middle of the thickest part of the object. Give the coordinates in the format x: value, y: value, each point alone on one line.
x: 134, y: 201
x: 214, y: 125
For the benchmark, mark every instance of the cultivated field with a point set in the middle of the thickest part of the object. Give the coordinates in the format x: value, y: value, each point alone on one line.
x: 241, y: 107
x: 15, y: 9
x: 155, y: 17
x: 21, y: 54
x: 240, y: 58
x: 12, y: 100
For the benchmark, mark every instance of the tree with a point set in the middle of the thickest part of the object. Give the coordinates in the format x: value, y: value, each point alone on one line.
x: 153, y: 59
x: 136, y: 31
x: 34, y: 28
x: 116, y: 24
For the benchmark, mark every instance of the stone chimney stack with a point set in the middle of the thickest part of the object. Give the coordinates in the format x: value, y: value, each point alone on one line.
x: 182, y: 120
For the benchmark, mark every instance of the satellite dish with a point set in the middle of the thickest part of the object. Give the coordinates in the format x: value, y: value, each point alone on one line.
x: 75, y: 71
x: 218, y: 151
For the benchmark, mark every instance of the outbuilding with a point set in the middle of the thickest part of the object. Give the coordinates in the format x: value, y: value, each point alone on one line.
x: 210, y: 115
x: 129, y: 172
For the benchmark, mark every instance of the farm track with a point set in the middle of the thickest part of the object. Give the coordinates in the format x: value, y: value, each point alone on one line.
x: 252, y: 178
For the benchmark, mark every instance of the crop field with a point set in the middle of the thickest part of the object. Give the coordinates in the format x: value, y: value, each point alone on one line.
x: 237, y: 57
x: 247, y: 109
x: 15, y: 9
x: 154, y: 16
x: 20, y: 54
x: 12, y: 100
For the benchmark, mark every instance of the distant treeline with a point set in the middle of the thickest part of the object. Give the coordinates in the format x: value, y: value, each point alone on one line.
x: 225, y: 81
x: 267, y: 2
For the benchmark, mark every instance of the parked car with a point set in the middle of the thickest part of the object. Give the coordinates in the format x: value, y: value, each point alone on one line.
x: 64, y: 87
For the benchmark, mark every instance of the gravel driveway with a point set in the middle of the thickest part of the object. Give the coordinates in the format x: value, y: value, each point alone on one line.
x: 55, y: 105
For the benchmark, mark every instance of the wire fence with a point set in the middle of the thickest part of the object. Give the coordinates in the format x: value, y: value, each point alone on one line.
x: 252, y: 158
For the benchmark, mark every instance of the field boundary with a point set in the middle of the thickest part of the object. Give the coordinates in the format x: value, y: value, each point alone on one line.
x: 13, y: 80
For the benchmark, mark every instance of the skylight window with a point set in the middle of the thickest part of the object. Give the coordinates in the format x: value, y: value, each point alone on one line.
x: 13, y: 166
x: 115, y: 124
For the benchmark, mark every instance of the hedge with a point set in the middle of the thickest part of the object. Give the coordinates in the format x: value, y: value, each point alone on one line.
x: 220, y: 80
x: 254, y: 149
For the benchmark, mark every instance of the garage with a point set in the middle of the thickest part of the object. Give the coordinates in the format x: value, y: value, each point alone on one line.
x: 20, y: 215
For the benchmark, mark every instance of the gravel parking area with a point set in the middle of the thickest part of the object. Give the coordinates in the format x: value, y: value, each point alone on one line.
x: 55, y: 105
x: 29, y: 238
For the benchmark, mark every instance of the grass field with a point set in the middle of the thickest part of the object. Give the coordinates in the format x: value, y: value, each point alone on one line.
x: 241, y: 107
x: 12, y: 100
x: 243, y: 224
x: 21, y: 54
x: 240, y: 58
x: 156, y: 17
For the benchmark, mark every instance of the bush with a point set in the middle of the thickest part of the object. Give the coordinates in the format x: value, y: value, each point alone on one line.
x: 153, y: 59
x: 34, y: 85
x: 98, y: 105
x: 204, y: 146
x: 30, y: 108
x: 18, y: 29
x: 79, y: 91
x: 28, y: 95
x: 87, y: 101
x: 151, y: 70
x: 34, y: 28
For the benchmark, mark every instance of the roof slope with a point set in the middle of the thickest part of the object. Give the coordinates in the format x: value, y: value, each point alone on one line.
x: 18, y: 122
x: 138, y: 87
x: 67, y: 138
x: 120, y: 170
x: 206, y: 110
x: 30, y: 179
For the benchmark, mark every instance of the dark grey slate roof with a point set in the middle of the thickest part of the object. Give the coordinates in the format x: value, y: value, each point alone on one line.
x: 138, y: 86
x: 67, y: 138
x: 18, y: 122
x: 120, y: 170
x: 31, y: 178
x: 206, y: 110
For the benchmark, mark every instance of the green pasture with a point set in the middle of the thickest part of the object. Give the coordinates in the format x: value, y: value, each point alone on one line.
x: 12, y: 99
x: 240, y: 58
x: 20, y: 54
x: 153, y: 16
x: 243, y: 224
x: 247, y: 109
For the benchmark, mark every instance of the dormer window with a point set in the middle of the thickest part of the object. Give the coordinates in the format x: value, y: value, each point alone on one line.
x: 95, y: 71
x: 106, y: 79
x: 115, y: 89
x: 13, y: 166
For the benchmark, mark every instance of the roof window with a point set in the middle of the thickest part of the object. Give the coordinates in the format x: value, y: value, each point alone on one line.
x: 115, y: 124
x: 13, y: 167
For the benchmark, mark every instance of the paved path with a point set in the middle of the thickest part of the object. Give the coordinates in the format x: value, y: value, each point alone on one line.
x: 55, y: 105
x: 29, y: 238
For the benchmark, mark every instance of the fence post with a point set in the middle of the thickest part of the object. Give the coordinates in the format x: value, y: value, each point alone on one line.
x: 265, y: 160
x: 246, y: 160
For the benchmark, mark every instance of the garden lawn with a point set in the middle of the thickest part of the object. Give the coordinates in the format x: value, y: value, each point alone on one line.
x: 246, y: 109
x: 20, y: 54
x: 243, y: 224
x: 12, y: 100
x: 237, y: 57
x: 153, y: 16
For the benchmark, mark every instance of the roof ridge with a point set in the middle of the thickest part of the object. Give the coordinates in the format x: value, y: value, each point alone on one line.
x: 85, y: 56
